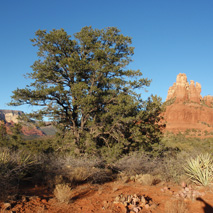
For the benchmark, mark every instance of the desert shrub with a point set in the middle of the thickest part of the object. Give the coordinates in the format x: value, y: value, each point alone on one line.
x: 200, y: 169
x: 15, y: 166
x: 63, y: 193
x: 145, y: 179
x: 76, y: 170
x: 102, y: 176
x: 172, y: 167
x: 187, y: 144
x: 138, y: 163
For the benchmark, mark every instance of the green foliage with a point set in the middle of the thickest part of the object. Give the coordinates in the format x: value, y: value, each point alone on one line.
x: 84, y: 86
x: 3, y: 133
x: 200, y: 169
x: 16, y: 132
x: 40, y: 145
x: 169, y: 102
x: 188, y: 144
x: 15, y: 161
x: 11, y: 138
x: 174, y: 149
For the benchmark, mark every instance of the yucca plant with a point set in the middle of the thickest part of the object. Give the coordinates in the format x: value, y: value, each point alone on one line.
x: 15, y: 166
x: 200, y: 169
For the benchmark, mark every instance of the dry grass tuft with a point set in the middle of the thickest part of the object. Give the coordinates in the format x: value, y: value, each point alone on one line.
x: 146, y: 179
x: 63, y: 193
x: 176, y: 206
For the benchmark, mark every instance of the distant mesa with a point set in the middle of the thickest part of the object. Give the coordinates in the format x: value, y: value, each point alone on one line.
x: 186, y: 108
x: 10, y: 115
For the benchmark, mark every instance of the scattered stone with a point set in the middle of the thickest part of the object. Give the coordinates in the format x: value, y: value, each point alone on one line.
x: 135, y: 203
x: 185, y: 192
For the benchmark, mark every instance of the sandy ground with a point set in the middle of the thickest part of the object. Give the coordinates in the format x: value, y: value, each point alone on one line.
x: 87, y: 198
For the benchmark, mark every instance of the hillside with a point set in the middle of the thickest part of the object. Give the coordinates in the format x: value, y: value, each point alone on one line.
x: 10, y: 117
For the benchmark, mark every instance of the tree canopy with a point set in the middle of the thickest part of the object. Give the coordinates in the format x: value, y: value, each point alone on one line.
x: 84, y: 85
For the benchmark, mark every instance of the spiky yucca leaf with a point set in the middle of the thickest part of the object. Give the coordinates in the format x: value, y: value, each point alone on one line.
x: 200, y: 169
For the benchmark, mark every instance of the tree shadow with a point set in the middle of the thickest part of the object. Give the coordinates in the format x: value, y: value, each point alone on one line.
x: 207, y: 208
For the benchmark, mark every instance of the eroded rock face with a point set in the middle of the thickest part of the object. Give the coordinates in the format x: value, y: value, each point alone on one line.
x: 208, y: 100
x: 188, y: 110
x: 10, y: 117
x: 183, y: 91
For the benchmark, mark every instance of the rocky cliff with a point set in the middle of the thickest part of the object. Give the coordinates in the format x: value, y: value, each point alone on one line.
x: 186, y: 109
x: 9, y: 117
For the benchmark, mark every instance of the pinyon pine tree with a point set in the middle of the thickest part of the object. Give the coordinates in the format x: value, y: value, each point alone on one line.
x: 84, y: 86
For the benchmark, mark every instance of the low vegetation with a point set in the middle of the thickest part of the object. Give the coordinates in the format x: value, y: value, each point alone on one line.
x: 200, y: 169
x: 63, y: 192
x: 176, y: 160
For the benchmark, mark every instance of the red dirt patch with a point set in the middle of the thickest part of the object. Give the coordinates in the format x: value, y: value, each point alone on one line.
x: 100, y: 198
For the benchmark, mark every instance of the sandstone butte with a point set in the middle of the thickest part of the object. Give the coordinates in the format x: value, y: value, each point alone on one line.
x: 10, y: 117
x: 186, y: 109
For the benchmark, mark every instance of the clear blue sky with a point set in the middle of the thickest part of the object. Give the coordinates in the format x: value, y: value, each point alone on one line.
x: 169, y: 36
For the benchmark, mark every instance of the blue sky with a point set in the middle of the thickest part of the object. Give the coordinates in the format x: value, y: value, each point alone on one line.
x: 169, y: 36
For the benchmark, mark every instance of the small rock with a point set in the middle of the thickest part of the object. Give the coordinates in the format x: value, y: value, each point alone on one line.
x: 135, y: 200
x: 122, y: 199
x: 6, y: 206
x: 142, y: 204
x: 24, y: 199
x: 34, y: 198
x: 183, y: 184
x: 129, y: 199
x: 166, y: 188
x: 44, y: 201
x: 125, y: 203
x: 147, y: 206
x: 136, y: 209
x: 117, y: 199
x: 187, y: 189
x: 143, y: 200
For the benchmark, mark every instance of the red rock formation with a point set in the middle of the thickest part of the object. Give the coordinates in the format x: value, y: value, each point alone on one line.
x: 26, y: 129
x: 188, y: 110
x: 32, y: 130
x: 9, y: 117
x: 183, y: 91
x: 208, y: 100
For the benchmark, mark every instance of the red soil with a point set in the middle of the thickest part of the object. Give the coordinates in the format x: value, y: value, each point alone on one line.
x: 100, y: 198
